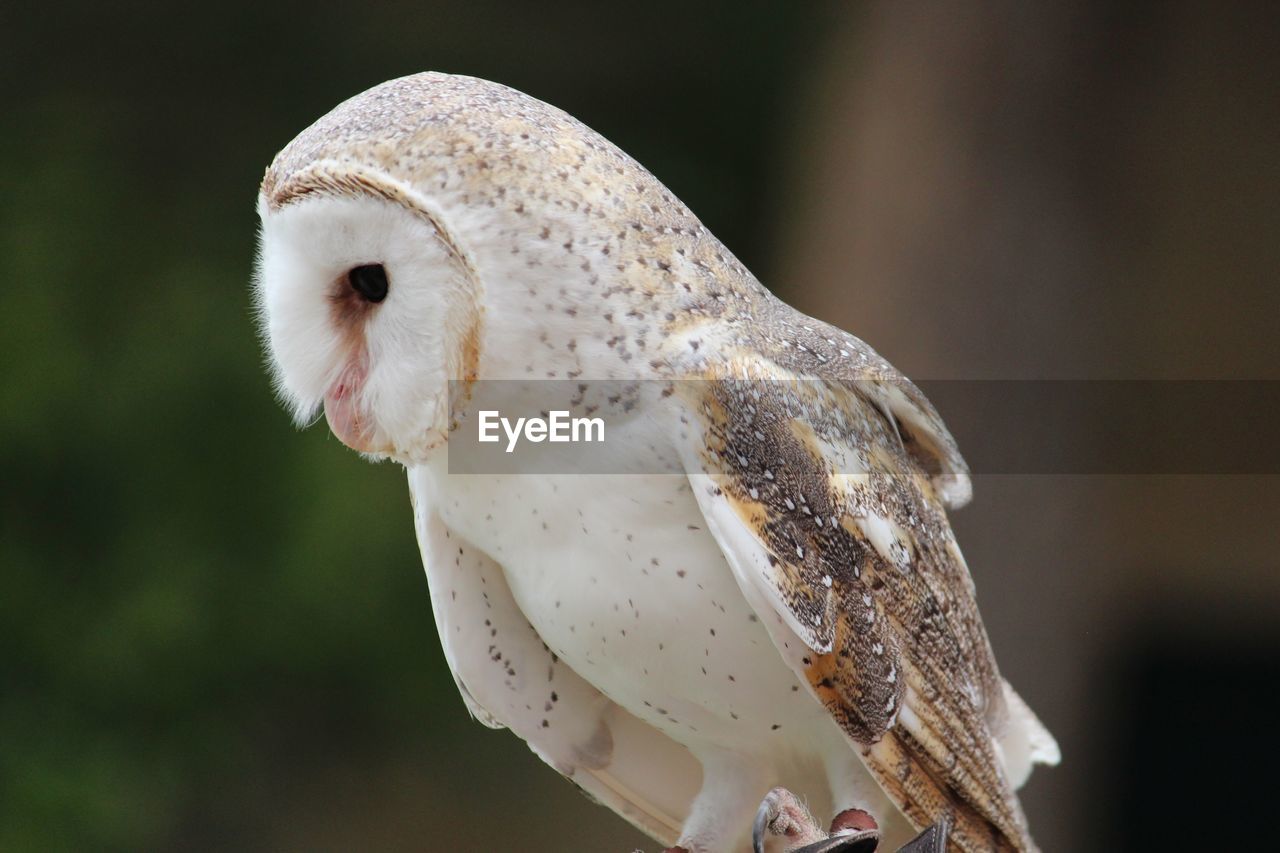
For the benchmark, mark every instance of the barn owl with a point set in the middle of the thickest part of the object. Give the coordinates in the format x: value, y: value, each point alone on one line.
x: 788, y: 611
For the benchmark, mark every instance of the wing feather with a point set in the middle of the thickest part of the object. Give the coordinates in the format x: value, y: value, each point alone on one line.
x: 840, y: 485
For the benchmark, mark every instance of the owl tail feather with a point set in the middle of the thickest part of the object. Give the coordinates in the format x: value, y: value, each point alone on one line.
x: 1025, y: 741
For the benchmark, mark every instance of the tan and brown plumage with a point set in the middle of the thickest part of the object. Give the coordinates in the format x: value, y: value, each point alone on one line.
x: 794, y: 611
x: 887, y: 639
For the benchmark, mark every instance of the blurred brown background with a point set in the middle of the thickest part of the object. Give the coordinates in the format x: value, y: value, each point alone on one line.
x: 216, y: 631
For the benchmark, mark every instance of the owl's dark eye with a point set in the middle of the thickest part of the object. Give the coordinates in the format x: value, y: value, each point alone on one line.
x: 370, y: 281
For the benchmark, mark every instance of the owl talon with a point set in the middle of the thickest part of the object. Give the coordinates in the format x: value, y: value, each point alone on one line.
x: 782, y: 814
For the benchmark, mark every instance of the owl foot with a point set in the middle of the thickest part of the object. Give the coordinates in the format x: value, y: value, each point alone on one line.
x: 783, y: 815
x: 854, y: 831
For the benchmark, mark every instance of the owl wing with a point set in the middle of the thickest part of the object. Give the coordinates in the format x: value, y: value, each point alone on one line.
x: 827, y: 498
x: 508, y: 678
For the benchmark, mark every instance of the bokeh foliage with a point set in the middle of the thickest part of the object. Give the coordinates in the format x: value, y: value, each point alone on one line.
x: 215, y: 629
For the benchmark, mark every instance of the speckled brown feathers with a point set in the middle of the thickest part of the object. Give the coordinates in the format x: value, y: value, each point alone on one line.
x: 815, y: 469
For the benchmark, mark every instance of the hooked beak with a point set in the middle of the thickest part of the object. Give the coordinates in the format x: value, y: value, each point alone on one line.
x: 349, y: 423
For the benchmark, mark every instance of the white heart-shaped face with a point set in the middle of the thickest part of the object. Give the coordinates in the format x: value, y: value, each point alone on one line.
x: 380, y: 367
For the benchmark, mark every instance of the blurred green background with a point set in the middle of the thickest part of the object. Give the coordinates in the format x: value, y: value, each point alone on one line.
x: 215, y: 630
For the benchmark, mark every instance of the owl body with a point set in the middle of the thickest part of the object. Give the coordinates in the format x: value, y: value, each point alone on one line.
x: 771, y: 596
x: 628, y: 589
x: 618, y: 585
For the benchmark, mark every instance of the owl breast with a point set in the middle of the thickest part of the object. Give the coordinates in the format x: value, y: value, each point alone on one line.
x: 623, y: 582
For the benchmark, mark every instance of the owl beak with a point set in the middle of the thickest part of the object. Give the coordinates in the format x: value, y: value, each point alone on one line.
x: 342, y: 410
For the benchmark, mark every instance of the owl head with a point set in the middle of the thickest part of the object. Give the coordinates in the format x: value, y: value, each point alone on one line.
x: 438, y: 229
x: 367, y: 300
x: 368, y: 307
